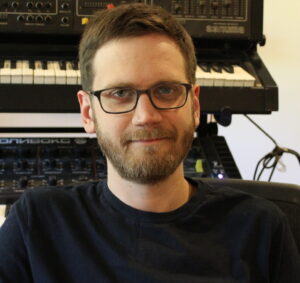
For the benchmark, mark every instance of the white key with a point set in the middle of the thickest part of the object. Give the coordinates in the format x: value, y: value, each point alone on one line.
x: 27, y: 73
x: 5, y: 73
x: 72, y: 76
x: 49, y: 73
x: 2, y: 213
x: 38, y: 73
x: 204, y: 78
x: 16, y: 74
x: 60, y: 75
x: 244, y: 79
x: 78, y: 77
x: 218, y: 78
x: 231, y: 80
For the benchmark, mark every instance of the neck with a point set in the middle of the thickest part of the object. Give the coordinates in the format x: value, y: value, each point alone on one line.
x: 165, y: 196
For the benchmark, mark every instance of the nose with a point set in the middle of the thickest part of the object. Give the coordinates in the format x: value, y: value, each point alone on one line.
x: 145, y: 113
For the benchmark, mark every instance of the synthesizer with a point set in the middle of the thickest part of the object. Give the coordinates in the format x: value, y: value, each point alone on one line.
x: 39, y: 42
x: 209, y: 18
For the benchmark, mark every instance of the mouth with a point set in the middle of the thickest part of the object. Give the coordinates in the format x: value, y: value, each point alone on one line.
x: 149, y: 140
x: 147, y: 137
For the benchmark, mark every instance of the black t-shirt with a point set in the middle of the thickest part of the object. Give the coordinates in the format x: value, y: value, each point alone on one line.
x: 85, y: 234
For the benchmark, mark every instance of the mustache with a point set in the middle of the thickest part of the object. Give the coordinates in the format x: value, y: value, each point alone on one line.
x: 144, y: 134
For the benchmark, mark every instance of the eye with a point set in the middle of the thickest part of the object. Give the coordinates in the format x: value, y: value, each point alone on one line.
x: 122, y: 93
x: 118, y: 93
x: 164, y: 89
x: 167, y: 91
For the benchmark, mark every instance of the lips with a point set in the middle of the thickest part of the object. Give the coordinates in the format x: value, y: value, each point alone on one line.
x: 148, y: 136
x: 150, y: 140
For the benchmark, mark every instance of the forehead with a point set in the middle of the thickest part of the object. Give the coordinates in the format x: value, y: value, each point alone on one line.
x: 138, y: 60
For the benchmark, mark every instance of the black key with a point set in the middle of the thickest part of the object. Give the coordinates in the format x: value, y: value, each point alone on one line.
x: 13, y: 64
x: 31, y: 64
x: 75, y: 65
x: 228, y: 68
x: 217, y: 68
x: 62, y: 65
x: 44, y: 65
x: 205, y: 67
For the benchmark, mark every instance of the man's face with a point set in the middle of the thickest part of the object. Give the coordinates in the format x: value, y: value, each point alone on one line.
x: 145, y: 145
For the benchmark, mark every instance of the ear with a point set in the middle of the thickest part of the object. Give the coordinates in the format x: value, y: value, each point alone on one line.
x: 196, y: 98
x: 86, y: 111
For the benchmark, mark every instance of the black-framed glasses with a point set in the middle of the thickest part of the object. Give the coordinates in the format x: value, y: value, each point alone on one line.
x: 163, y: 96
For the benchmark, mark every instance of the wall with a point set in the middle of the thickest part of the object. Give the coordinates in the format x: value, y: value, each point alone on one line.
x: 281, y: 55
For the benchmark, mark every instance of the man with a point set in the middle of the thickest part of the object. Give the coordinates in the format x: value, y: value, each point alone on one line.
x: 147, y: 223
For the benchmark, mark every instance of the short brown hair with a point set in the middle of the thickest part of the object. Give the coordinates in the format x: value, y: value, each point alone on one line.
x: 132, y: 20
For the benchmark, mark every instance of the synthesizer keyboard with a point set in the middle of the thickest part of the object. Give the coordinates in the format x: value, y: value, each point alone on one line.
x: 67, y: 73
x: 39, y: 72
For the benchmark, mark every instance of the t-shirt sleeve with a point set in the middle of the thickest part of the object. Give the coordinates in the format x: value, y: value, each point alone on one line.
x: 284, y: 257
x: 14, y: 261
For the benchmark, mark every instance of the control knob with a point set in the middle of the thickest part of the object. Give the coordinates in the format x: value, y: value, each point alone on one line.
x: 30, y: 19
x: 39, y: 5
x: 64, y: 20
x: 48, y: 19
x: 29, y: 5
x: 48, y: 5
x: 15, y: 4
x: 65, y: 6
x: 39, y: 19
x: 21, y: 18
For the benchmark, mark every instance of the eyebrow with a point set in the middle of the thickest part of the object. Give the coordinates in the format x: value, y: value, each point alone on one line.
x: 131, y: 85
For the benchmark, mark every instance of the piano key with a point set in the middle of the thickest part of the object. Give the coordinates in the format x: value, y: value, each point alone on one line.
x: 217, y: 68
x: 246, y: 79
x: 2, y: 213
x: 204, y: 78
x: 38, y: 73
x: 62, y: 65
x: 72, y: 75
x: 31, y: 64
x: 205, y: 67
x: 16, y: 72
x: 49, y: 74
x: 218, y: 77
x: 27, y: 73
x: 13, y: 64
x: 228, y: 68
x: 60, y: 74
x: 44, y: 65
x: 5, y: 72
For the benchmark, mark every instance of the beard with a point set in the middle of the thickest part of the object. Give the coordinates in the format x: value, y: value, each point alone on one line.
x: 147, y: 164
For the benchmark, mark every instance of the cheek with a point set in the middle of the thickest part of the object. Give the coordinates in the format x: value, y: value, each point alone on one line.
x: 111, y: 127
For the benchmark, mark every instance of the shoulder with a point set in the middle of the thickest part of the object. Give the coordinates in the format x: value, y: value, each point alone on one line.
x: 70, y: 191
x: 51, y: 198
x: 238, y: 204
